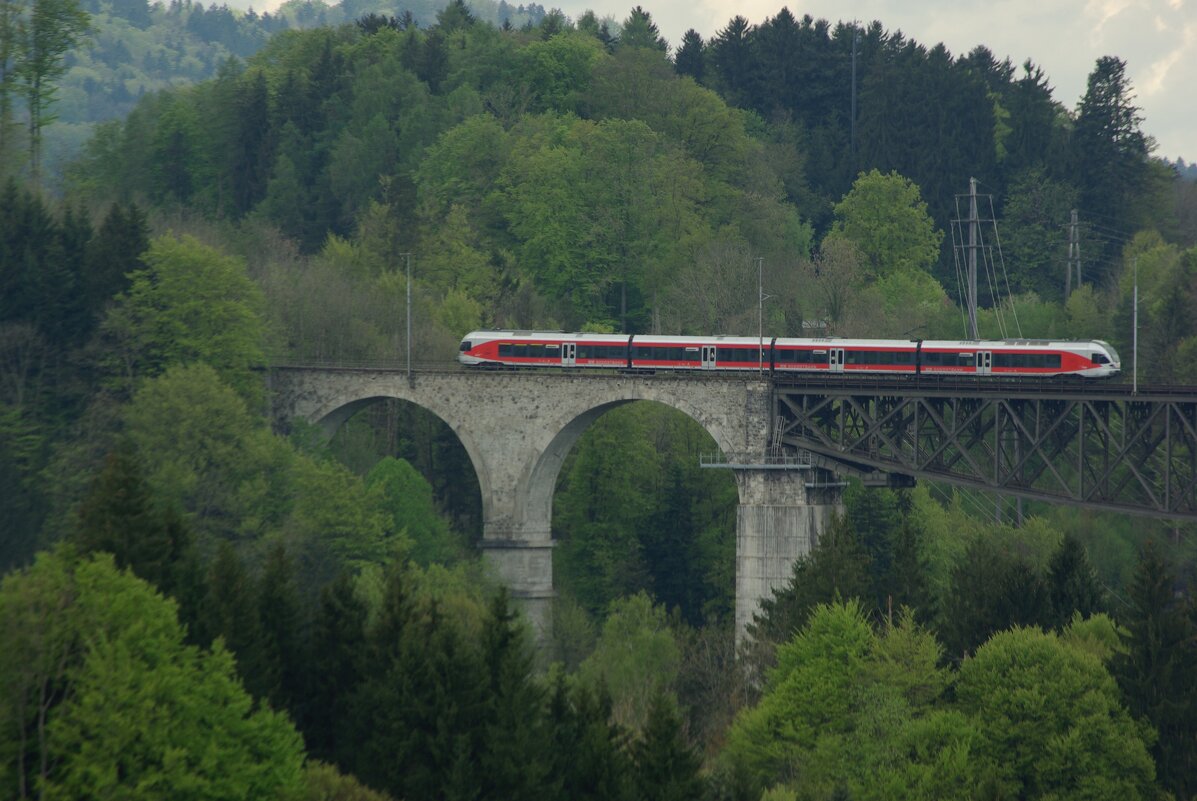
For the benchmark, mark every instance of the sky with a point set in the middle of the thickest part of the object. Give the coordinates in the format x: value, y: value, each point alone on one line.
x: 1156, y: 38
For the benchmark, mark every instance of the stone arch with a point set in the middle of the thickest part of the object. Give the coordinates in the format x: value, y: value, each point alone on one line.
x: 541, y: 481
x: 335, y: 413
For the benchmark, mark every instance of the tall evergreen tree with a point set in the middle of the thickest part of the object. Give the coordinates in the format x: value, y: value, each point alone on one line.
x: 114, y: 252
x: 230, y: 612
x: 338, y: 654
x: 992, y: 589
x: 731, y: 60
x: 118, y: 516
x: 639, y: 30
x: 513, y: 762
x: 837, y: 569
x: 1072, y: 583
x: 1107, y: 132
x: 669, y: 548
x: 283, y: 665
x: 691, y: 56
x: 590, y: 761
x: 1157, y: 667
x: 666, y: 766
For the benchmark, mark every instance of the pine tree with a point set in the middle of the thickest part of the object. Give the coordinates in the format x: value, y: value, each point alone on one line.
x: 666, y: 766
x: 1157, y: 667
x: 590, y: 760
x: 639, y: 30
x: 1107, y: 132
x: 1072, y: 583
x: 230, y: 612
x: 513, y: 761
x: 691, y: 59
x: 283, y: 675
x: 337, y: 656
x: 732, y: 62
x: 118, y: 517
x: 838, y: 569
x: 992, y: 589
x: 114, y: 252
x: 668, y: 549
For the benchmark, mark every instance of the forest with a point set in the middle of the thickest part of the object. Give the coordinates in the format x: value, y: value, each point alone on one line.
x: 194, y: 604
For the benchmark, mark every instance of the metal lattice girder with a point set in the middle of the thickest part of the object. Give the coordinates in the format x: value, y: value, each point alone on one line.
x: 1100, y: 446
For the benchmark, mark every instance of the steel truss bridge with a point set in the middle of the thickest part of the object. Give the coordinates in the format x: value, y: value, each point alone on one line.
x: 1096, y: 445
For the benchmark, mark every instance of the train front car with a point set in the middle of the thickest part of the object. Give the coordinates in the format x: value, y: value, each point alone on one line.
x: 542, y: 349
x: 1019, y: 358
x: 1104, y: 358
x: 474, y: 347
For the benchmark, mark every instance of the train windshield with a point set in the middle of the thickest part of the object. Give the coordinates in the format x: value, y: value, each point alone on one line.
x: 1113, y: 353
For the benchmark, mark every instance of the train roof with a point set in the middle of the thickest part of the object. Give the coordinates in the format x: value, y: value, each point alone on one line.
x: 741, y: 341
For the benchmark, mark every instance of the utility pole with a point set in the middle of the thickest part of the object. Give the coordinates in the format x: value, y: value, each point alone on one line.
x: 852, y: 140
x: 410, y: 381
x: 973, y: 231
x: 760, y: 314
x: 1135, y: 335
x: 1074, y: 255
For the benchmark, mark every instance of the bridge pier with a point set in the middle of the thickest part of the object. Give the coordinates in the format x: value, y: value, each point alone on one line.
x: 526, y: 568
x: 778, y: 521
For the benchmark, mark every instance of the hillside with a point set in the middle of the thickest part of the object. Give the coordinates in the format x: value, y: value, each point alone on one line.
x: 297, y: 617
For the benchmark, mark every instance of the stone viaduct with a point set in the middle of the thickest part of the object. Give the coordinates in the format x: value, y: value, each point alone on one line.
x: 518, y: 427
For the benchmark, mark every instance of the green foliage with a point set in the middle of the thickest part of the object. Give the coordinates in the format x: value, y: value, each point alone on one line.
x: 1158, y: 656
x: 336, y: 515
x: 885, y: 217
x: 322, y: 782
x: 993, y: 588
x: 636, y: 657
x: 1051, y: 721
x: 407, y: 497
x: 118, y: 516
x: 189, y: 304
x: 666, y: 766
x: 847, y: 710
x: 135, y: 712
x: 836, y: 570
x: 671, y: 531
x: 206, y: 455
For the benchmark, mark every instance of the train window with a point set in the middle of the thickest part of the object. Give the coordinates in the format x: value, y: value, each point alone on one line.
x: 505, y: 349
x: 465, y: 346
x: 520, y: 351
x: 816, y: 357
x: 1100, y: 358
x: 787, y: 356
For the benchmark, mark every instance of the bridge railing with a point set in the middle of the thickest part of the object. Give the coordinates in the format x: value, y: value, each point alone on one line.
x: 758, y: 460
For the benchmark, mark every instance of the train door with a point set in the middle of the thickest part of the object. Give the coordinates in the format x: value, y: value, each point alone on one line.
x: 835, y: 359
x: 984, y: 362
x: 569, y: 354
x: 708, y: 357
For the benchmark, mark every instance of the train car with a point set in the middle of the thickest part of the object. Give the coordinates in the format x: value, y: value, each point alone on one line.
x: 1023, y: 358
x: 835, y: 355
x: 543, y: 349
x: 1020, y: 358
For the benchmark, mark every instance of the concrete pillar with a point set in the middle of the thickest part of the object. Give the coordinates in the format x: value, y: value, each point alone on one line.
x: 526, y: 568
x: 777, y: 522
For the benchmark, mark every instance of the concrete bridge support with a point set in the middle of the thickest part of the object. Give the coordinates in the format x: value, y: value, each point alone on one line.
x: 778, y: 521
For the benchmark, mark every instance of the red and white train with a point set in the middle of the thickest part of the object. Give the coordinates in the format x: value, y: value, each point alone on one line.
x: 1010, y: 357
